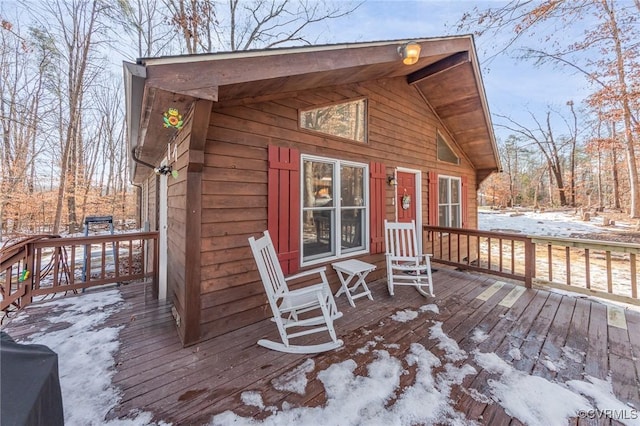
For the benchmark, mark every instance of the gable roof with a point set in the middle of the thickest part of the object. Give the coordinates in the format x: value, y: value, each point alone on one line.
x: 447, y: 76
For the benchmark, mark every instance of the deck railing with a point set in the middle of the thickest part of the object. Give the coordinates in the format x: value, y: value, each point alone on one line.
x: 497, y: 253
x: 44, y: 265
x: 601, y: 268
x: 589, y: 266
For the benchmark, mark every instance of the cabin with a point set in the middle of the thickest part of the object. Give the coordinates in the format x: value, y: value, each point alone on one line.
x: 317, y: 144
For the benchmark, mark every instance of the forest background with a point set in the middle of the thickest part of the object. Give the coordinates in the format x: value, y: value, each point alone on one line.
x: 64, y: 149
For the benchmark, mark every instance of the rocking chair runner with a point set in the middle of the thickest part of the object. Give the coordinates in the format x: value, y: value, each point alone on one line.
x: 405, y: 264
x: 291, y: 308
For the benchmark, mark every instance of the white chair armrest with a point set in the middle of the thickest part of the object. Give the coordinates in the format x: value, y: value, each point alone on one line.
x: 304, y: 290
x: 404, y: 258
x: 320, y: 271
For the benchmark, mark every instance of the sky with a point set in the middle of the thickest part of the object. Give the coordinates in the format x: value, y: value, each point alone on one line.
x: 514, y: 88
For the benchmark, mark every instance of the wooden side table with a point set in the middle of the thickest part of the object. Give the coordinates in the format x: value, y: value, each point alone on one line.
x: 347, y: 270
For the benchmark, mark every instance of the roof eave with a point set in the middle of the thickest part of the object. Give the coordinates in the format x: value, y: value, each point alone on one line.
x: 485, y: 104
x: 134, y: 79
x: 219, y: 56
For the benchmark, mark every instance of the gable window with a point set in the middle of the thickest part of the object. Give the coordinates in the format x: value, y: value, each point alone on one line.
x: 445, y: 153
x: 334, y: 208
x: 344, y: 120
x: 449, y: 202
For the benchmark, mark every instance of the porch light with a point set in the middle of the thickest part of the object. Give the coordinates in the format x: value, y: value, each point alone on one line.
x: 166, y: 170
x: 391, y: 180
x: 409, y: 52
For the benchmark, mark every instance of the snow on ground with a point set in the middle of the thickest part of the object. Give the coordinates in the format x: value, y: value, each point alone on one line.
x: 547, y: 224
x: 564, y: 224
x: 86, y: 358
x: 85, y: 355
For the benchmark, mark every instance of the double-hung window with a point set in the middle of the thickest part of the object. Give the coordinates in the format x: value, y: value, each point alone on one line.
x: 449, y: 202
x: 334, y: 208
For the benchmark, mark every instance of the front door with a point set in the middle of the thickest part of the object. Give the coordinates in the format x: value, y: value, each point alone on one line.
x: 406, y: 199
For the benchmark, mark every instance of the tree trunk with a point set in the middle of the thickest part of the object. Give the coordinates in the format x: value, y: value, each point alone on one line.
x: 600, y: 192
x: 616, y: 180
x: 72, y: 220
x: 632, y: 165
x: 562, y: 192
x: 572, y: 165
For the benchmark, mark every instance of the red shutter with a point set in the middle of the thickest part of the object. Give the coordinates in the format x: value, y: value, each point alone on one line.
x: 283, y: 208
x: 377, y: 191
x: 464, y: 193
x: 433, y: 199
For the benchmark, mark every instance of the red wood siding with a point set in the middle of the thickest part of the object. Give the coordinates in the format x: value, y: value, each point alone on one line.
x: 235, y: 181
x: 177, y: 228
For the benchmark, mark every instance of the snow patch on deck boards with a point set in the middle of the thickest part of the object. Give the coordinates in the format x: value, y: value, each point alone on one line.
x: 512, y: 297
x: 615, y: 317
x: 493, y: 289
x: 377, y: 397
x: 75, y: 330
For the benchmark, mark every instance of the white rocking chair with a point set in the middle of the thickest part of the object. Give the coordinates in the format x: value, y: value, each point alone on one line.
x: 289, y: 305
x: 405, y: 264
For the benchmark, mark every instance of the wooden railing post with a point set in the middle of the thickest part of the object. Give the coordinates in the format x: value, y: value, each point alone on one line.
x: 529, y: 262
x: 156, y: 263
x: 29, y: 265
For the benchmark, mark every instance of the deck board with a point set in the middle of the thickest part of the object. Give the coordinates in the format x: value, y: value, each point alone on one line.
x: 502, y: 322
x: 534, y: 340
x: 555, y: 340
x: 189, y: 385
x: 596, y: 362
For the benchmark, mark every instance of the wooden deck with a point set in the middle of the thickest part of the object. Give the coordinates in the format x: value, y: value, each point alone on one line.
x: 190, y: 385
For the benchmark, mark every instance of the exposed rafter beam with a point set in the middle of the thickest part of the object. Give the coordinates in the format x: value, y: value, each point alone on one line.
x: 209, y: 93
x: 437, y: 67
x: 482, y: 174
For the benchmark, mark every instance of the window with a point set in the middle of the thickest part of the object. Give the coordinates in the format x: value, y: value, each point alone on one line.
x: 345, y: 120
x: 334, y: 208
x: 445, y: 153
x: 449, y: 205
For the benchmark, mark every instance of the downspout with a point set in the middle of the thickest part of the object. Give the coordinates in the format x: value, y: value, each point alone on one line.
x: 139, y: 161
x: 138, y: 205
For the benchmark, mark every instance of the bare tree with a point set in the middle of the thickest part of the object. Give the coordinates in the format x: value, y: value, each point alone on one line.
x: 609, y: 44
x: 572, y: 154
x: 551, y: 147
x: 21, y: 110
x: 145, y: 22
x: 73, y: 30
x: 206, y: 26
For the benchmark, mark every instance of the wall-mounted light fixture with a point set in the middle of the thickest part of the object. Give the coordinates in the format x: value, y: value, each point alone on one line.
x: 391, y: 180
x: 163, y: 170
x: 166, y: 170
x: 409, y: 52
